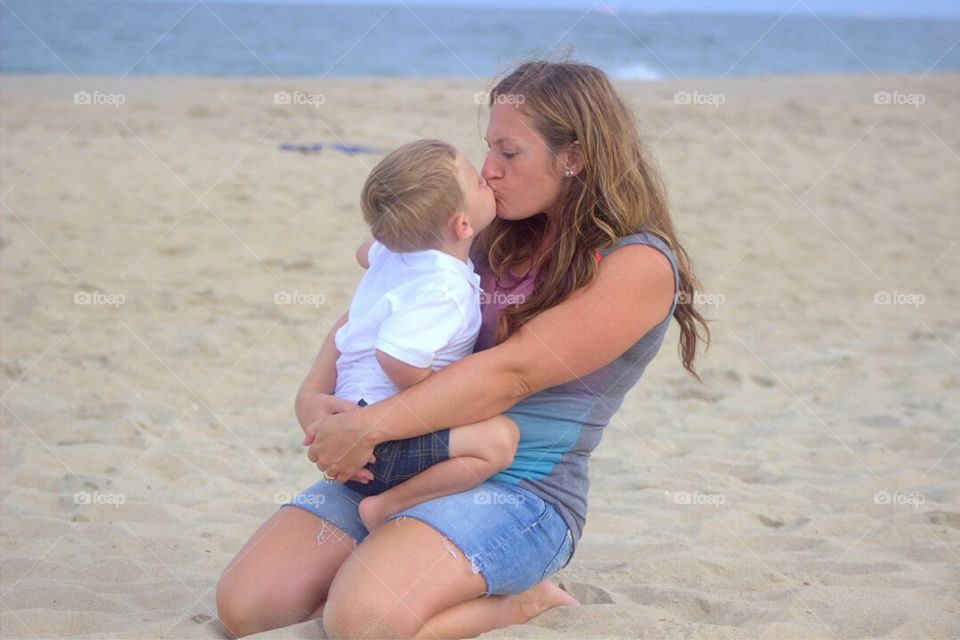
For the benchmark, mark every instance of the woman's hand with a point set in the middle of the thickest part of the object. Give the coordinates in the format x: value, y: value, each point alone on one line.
x: 313, y: 406
x: 341, y: 445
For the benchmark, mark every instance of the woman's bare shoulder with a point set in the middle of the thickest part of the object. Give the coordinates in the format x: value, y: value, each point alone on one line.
x: 639, y: 263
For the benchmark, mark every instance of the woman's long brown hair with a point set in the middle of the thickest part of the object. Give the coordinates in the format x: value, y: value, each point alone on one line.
x: 618, y: 193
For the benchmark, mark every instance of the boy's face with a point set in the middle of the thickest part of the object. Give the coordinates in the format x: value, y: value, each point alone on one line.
x: 479, y: 205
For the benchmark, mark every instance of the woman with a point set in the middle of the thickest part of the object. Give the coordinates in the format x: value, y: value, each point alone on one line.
x: 582, y: 273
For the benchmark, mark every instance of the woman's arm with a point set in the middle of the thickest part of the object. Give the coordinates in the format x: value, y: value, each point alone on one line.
x: 322, y: 377
x: 631, y: 294
x: 315, y: 396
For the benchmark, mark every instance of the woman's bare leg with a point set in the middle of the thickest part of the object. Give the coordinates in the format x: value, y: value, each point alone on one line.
x: 282, y: 575
x: 318, y: 613
x: 473, y: 617
x: 477, y: 451
x: 407, y: 580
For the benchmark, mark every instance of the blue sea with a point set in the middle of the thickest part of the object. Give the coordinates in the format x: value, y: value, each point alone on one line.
x: 217, y: 38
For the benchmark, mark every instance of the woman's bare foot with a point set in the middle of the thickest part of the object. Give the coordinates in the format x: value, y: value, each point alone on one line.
x: 471, y: 618
x: 542, y: 597
x: 373, y: 511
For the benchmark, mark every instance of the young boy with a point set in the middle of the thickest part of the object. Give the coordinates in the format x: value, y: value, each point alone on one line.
x: 416, y: 310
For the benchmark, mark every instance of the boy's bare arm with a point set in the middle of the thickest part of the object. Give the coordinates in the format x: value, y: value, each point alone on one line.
x: 402, y: 374
x: 362, y: 253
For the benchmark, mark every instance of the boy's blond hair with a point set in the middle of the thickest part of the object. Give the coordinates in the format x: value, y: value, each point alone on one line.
x: 411, y: 194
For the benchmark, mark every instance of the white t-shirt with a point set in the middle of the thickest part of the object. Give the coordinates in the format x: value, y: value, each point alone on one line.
x: 422, y: 308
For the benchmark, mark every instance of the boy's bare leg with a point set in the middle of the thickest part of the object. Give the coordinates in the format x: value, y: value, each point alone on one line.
x: 477, y: 451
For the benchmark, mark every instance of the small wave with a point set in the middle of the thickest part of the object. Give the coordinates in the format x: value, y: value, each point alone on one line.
x: 639, y: 71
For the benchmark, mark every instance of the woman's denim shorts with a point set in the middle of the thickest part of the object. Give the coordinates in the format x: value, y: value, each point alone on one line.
x: 513, y: 538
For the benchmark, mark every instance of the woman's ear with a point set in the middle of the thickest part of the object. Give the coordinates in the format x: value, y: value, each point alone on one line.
x: 571, y: 160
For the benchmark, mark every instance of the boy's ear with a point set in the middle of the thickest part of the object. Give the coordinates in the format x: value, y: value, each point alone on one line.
x: 460, y: 226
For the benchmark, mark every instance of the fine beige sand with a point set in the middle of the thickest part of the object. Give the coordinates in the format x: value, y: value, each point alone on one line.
x: 148, y: 371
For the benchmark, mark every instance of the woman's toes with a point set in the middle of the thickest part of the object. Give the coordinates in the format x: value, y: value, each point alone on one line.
x: 559, y: 597
x: 542, y: 597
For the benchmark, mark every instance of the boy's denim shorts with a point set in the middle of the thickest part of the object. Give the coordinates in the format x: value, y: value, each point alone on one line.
x: 400, y: 460
x: 513, y: 538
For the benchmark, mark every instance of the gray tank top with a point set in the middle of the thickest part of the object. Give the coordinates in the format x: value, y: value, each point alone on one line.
x: 560, y: 426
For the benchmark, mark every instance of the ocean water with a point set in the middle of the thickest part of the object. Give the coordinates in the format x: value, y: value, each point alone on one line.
x: 116, y: 37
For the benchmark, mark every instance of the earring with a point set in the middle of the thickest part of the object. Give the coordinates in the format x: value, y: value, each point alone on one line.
x: 568, y: 172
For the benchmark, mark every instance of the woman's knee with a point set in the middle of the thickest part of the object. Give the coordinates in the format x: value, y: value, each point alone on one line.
x: 235, y: 607
x: 399, y: 578
x: 353, y: 610
x: 246, y: 606
x: 281, y: 575
x: 347, y: 616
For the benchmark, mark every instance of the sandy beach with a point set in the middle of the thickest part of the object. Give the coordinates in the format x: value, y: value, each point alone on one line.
x: 168, y: 272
